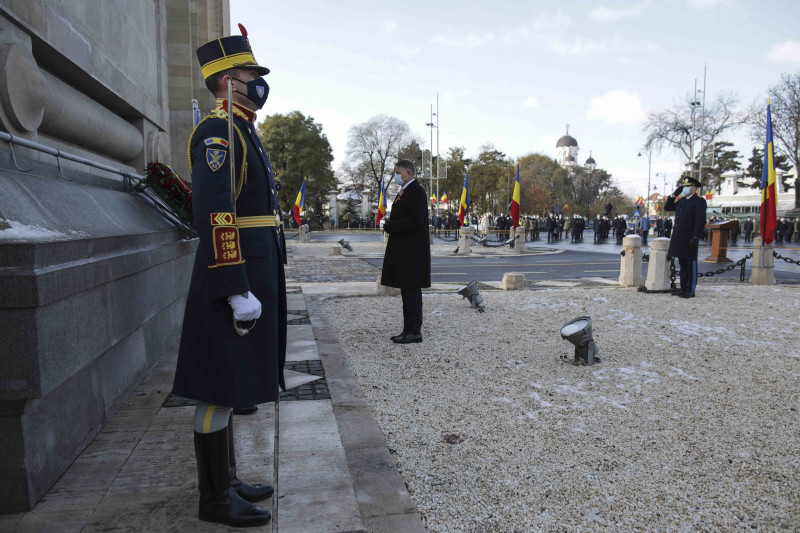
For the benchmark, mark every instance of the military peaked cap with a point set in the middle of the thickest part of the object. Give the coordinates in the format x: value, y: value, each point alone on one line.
x: 228, y: 52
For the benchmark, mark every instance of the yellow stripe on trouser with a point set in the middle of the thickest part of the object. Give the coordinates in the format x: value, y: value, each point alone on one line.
x: 211, y: 418
x: 207, y: 419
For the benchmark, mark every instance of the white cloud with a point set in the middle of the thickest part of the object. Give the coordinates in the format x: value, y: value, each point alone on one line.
x: 617, y: 107
x: 390, y: 27
x: 788, y: 52
x: 707, y: 4
x: 531, y: 102
x: 470, y: 41
x: 407, y: 52
x: 609, y: 14
x: 547, y: 21
x: 615, y: 44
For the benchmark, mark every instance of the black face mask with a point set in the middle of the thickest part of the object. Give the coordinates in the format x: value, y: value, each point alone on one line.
x: 257, y: 91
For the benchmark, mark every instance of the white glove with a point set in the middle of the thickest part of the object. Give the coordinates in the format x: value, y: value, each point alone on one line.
x: 245, y: 306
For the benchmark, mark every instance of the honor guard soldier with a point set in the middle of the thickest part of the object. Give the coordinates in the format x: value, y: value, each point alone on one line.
x: 233, y: 343
x: 690, y: 219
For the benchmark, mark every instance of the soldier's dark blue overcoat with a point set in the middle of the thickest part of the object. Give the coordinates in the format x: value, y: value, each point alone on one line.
x: 407, y: 261
x: 215, y: 365
x: 690, y: 219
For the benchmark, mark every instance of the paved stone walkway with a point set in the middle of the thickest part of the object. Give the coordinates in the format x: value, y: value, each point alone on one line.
x: 335, y: 473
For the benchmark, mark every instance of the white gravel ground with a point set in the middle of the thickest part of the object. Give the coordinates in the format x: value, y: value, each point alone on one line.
x: 690, y: 423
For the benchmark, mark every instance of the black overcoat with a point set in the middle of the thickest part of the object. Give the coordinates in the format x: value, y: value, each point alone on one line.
x: 407, y: 261
x: 215, y: 365
x: 690, y: 219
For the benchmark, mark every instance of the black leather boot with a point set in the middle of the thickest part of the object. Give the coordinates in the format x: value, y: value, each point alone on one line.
x: 218, y: 501
x: 251, y: 493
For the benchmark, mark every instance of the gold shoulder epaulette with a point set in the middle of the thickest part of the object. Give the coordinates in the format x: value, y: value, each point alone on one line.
x: 219, y: 113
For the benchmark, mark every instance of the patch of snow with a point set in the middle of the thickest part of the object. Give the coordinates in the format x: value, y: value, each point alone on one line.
x: 22, y: 232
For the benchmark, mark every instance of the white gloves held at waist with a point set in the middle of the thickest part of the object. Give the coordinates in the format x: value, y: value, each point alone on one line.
x: 245, y: 306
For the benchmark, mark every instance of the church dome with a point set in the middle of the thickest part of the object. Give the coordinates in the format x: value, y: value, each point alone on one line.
x: 591, y: 161
x: 566, y: 140
x: 570, y: 159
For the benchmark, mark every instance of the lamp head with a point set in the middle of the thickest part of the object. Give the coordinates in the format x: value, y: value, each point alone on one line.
x: 578, y: 331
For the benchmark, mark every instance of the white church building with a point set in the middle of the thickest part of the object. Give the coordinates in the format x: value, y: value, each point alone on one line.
x: 734, y: 200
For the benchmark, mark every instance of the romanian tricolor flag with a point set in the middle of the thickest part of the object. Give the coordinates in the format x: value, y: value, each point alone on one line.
x: 299, y: 203
x: 515, y: 201
x: 433, y: 199
x: 444, y: 198
x: 769, y: 199
x: 462, y: 206
x: 381, y: 206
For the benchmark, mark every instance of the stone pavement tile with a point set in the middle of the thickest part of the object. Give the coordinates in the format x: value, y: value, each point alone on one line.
x: 67, y: 521
x: 379, y: 488
x: 314, y: 470
x: 295, y: 302
x: 308, y: 425
x: 8, y: 522
x: 403, y: 523
x: 300, y: 332
x: 301, y: 350
x: 295, y: 379
x: 304, y: 511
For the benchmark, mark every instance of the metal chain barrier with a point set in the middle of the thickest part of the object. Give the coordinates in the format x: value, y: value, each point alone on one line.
x: 645, y: 258
x: 740, y: 263
x: 787, y: 259
x: 672, y: 284
x: 483, y: 241
x: 446, y: 239
x: 296, y: 235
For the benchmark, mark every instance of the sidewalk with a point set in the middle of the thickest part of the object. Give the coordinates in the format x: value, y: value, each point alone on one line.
x: 335, y: 472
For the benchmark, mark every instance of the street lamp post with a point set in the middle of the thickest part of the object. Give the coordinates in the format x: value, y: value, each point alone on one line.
x: 649, y: 166
x: 432, y: 125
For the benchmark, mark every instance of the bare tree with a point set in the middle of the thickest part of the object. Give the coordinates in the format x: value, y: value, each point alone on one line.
x: 372, y: 149
x: 683, y: 128
x: 785, y: 107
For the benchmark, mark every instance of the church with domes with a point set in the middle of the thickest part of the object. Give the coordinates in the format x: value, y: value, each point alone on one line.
x: 567, y: 152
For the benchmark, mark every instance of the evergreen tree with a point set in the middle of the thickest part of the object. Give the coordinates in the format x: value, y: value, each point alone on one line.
x: 756, y: 168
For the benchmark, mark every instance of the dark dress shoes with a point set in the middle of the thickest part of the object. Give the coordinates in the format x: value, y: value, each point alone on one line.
x: 245, y: 410
x: 408, y: 338
x: 395, y: 337
x: 687, y: 295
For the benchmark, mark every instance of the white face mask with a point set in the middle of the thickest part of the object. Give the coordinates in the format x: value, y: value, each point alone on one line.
x: 398, y: 178
x: 686, y: 191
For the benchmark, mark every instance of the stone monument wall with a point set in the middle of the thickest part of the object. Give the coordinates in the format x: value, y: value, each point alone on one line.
x: 92, y: 281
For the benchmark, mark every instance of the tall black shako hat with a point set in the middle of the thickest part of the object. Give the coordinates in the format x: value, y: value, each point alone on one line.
x: 689, y: 180
x: 228, y: 52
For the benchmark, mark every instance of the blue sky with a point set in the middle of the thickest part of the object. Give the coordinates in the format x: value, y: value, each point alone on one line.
x: 514, y: 73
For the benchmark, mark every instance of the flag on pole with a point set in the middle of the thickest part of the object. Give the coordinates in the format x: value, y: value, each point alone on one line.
x: 443, y: 199
x: 462, y: 206
x: 300, y: 202
x: 433, y: 198
x: 381, y: 206
x: 769, y: 199
x: 515, y: 201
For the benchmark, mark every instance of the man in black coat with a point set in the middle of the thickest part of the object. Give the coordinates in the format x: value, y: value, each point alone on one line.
x: 233, y: 342
x: 407, y: 261
x: 690, y: 219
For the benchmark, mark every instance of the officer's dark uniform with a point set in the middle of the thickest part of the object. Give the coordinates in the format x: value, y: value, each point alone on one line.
x: 237, y: 253
x: 241, y: 249
x: 690, y: 219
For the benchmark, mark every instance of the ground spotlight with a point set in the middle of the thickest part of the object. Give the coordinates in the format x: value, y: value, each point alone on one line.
x: 346, y: 245
x: 579, y: 332
x: 470, y: 292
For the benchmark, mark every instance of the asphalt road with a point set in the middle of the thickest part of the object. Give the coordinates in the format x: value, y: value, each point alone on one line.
x: 572, y: 260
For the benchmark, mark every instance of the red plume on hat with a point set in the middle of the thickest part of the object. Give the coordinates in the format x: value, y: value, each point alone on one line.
x: 243, y: 31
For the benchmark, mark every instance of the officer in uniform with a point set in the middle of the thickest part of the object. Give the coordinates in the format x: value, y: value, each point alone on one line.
x: 233, y: 343
x: 690, y: 219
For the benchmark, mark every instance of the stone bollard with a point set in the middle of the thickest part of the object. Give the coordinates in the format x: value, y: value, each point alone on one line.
x: 384, y: 290
x: 513, y: 281
x: 465, y: 240
x: 763, y: 272
x: 430, y: 234
x: 335, y: 250
x: 630, y: 264
x: 305, y: 238
x: 385, y: 237
x: 519, y: 244
x: 658, y: 266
